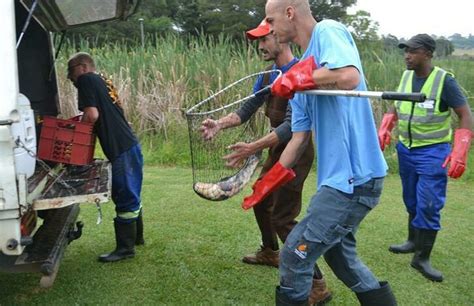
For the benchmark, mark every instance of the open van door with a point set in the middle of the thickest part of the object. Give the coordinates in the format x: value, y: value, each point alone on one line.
x: 37, y: 80
x: 60, y: 15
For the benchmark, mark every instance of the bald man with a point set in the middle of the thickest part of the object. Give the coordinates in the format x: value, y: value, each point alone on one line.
x: 350, y: 165
x: 275, y: 215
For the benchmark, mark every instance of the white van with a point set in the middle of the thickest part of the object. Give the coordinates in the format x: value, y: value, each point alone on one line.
x: 39, y: 201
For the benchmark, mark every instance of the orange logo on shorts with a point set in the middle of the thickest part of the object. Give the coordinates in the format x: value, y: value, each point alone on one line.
x: 302, y: 248
x: 301, y: 251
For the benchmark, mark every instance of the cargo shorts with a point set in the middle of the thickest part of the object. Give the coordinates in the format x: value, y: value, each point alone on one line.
x: 329, y: 229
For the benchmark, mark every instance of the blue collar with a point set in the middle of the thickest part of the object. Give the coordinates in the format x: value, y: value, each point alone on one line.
x: 286, y: 67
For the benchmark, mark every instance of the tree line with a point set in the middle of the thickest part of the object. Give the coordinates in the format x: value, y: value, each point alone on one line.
x: 212, y: 18
x: 197, y: 17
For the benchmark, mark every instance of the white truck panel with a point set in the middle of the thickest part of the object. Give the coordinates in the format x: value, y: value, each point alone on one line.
x: 9, y: 76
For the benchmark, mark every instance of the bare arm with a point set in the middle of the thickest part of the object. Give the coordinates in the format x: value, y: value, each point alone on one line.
x: 346, y: 78
x: 465, y: 117
x: 210, y: 127
x: 242, y: 150
x: 91, y: 114
x: 294, y: 149
x: 229, y: 121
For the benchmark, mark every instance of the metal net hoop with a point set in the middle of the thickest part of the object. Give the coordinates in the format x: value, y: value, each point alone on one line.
x: 206, y: 155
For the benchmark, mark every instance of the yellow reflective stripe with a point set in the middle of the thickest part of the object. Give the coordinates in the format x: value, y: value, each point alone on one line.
x: 424, y: 119
x: 129, y: 214
x: 427, y: 136
x: 402, y: 87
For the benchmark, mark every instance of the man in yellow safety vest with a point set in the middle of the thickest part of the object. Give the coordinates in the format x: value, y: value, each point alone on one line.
x: 424, y: 149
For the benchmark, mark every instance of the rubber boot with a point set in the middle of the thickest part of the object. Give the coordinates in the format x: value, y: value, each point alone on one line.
x: 125, y: 236
x: 425, y: 240
x: 409, y: 245
x: 282, y: 300
x: 319, y: 294
x: 382, y: 296
x: 140, y: 240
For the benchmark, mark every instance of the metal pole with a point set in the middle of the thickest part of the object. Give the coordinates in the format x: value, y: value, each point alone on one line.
x: 27, y: 22
x: 142, y: 32
x: 384, y: 95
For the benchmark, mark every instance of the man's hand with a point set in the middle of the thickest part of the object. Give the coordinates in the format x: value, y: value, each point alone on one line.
x: 240, y: 152
x: 458, y: 156
x: 385, y: 130
x: 277, y: 176
x: 209, y: 128
x: 298, y: 78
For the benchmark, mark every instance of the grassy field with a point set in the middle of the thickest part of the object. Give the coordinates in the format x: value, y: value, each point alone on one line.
x: 194, y: 247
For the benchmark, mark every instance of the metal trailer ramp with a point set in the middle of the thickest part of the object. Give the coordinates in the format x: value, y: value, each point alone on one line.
x: 44, y: 255
x: 56, y: 193
x: 74, y: 184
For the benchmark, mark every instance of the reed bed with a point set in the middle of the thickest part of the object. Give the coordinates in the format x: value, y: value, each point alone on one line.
x: 159, y: 82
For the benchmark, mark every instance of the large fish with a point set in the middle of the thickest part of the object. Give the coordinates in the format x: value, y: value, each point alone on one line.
x: 228, y: 186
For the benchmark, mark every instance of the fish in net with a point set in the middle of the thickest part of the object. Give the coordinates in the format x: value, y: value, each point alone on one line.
x: 212, y: 179
x: 228, y: 186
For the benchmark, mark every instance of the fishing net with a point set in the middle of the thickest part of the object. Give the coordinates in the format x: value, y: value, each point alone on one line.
x: 212, y: 179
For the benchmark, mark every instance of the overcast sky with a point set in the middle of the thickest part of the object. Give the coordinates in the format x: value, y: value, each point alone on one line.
x: 405, y: 18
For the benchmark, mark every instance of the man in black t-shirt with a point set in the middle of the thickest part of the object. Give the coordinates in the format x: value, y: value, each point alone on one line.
x: 98, y: 100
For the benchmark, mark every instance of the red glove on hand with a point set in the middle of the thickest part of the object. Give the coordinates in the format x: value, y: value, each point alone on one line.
x: 299, y: 77
x: 458, y: 156
x: 277, y: 176
x: 385, y: 130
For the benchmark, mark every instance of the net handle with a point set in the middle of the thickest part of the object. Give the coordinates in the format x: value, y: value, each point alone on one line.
x: 261, y: 92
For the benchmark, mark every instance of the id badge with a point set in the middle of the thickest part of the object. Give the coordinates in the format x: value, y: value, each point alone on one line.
x: 428, y: 104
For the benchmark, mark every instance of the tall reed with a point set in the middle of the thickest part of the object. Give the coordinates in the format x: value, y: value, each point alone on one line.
x: 158, y: 82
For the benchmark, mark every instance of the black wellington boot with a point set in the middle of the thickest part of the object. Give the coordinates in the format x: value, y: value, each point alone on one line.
x: 282, y: 300
x: 382, y: 296
x: 425, y: 240
x: 125, y: 236
x: 409, y: 245
x: 140, y: 240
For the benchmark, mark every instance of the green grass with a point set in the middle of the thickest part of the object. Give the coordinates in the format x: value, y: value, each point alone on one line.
x: 194, y: 247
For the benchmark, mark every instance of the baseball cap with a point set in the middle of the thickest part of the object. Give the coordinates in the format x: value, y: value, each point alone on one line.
x: 419, y: 41
x: 263, y: 29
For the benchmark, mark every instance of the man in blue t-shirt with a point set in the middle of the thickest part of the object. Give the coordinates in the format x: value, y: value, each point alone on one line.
x: 350, y: 164
x: 276, y: 214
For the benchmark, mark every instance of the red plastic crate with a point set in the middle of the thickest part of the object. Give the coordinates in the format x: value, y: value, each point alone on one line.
x: 67, y: 141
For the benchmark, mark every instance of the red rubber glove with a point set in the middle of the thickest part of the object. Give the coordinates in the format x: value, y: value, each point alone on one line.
x: 385, y: 130
x: 458, y: 156
x: 298, y: 78
x: 277, y: 176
